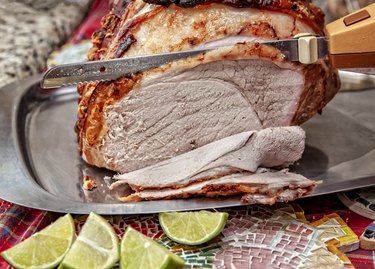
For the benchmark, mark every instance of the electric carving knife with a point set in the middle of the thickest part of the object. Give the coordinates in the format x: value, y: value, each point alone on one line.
x: 350, y: 44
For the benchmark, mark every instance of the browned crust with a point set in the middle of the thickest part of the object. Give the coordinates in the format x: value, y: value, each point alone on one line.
x: 90, y: 120
x: 321, y: 85
x: 302, y: 9
x: 111, y: 27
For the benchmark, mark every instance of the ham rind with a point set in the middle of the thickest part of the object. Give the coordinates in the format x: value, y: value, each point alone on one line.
x: 265, y: 186
x: 272, y: 147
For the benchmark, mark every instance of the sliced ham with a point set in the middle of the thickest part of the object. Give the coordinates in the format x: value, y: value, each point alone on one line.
x: 233, y: 165
x: 272, y: 147
x: 263, y: 187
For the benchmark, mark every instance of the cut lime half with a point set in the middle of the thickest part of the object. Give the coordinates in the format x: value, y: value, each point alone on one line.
x: 139, y: 251
x: 96, y: 247
x: 192, y: 228
x: 44, y: 249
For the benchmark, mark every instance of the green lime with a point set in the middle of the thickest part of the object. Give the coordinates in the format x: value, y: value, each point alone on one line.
x: 192, y: 228
x: 44, y: 249
x: 97, y: 246
x: 139, y: 251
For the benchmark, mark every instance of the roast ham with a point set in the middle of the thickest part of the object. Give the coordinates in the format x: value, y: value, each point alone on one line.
x: 142, y: 122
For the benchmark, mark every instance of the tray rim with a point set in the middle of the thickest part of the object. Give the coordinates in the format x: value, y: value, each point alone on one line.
x: 18, y: 186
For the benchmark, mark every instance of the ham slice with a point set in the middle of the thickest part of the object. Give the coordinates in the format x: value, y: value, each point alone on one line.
x: 263, y: 187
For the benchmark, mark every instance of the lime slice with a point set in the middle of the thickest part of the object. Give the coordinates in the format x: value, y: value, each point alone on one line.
x: 139, y: 251
x: 192, y: 228
x: 97, y: 246
x: 44, y: 249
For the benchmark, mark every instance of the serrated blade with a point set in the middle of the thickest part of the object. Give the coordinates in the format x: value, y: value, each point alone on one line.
x: 68, y: 74
x: 107, y: 70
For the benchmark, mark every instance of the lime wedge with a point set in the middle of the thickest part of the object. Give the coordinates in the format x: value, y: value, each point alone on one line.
x: 97, y: 246
x: 139, y: 251
x: 192, y: 228
x: 44, y: 249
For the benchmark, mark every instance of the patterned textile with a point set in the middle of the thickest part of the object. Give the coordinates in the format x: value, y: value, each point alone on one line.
x: 18, y: 223
x: 31, y: 30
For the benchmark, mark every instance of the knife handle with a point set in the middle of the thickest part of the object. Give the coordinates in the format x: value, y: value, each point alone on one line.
x: 352, y: 39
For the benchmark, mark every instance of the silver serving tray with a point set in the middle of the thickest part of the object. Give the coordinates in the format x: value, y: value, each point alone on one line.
x: 41, y: 168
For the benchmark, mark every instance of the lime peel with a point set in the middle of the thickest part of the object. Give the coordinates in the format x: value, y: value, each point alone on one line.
x: 193, y: 228
x: 139, y: 251
x: 44, y: 249
x: 97, y: 246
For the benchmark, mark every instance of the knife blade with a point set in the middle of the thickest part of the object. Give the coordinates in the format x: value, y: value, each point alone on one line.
x: 107, y: 70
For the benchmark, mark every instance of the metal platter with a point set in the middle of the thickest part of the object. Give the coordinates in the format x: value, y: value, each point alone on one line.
x: 41, y: 168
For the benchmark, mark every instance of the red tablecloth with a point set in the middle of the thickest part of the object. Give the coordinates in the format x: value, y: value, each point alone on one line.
x: 18, y: 223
